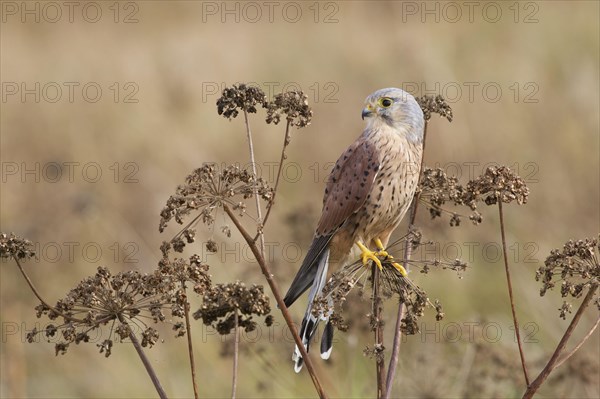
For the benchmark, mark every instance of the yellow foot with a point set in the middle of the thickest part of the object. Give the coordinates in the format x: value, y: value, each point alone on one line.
x: 400, y: 269
x: 366, y: 255
x: 382, y: 251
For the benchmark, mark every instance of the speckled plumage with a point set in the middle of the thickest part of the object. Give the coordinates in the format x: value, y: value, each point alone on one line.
x: 368, y: 192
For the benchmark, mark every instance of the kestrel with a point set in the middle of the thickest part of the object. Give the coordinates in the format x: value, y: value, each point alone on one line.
x: 368, y: 192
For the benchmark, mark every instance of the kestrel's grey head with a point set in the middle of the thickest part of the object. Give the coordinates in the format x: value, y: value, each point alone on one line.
x: 395, y: 108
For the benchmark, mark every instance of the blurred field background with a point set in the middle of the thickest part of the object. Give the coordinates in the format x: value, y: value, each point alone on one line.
x: 177, y: 56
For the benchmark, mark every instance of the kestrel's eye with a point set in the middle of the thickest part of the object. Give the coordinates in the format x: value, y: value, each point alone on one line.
x: 385, y: 102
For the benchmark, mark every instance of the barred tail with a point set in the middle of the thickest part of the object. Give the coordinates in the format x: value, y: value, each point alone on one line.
x: 310, y: 322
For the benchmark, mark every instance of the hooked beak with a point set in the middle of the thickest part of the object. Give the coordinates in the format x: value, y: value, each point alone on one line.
x: 367, y: 111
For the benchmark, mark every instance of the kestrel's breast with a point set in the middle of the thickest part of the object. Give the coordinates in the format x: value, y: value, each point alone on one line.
x: 392, y: 191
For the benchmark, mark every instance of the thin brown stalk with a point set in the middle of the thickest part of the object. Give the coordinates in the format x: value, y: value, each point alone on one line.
x: 256, y: 197
x: 145, y: 361
x: 286, y: 142
x: 35, y: 291
x: 378, y: 327
x: 46, y: 304
x: 579, y: 345
x: 553, y: 362
x: 188, y: 327
x: 510, y: 293
x: 278, y: 298
x: 395, y: 356
x: 236, y: 348
x: 259, y: 255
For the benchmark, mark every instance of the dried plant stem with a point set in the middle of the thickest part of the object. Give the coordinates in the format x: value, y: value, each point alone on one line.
x: 188, y: 327
x: 261, y: 236
x: 136, y: 343
x: 395, y: 349
x: 259, y: 255
x: 275, y: 290
x: 378, y: 327
x: 46, y: 304
x: 395, y: 356
x: 553, y: 362
x: 37, y: 294
x: 579, y: 345
x: 236, y: 348
x: 286, y: 142
x: 147, y: 364
x: 510, y: 293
